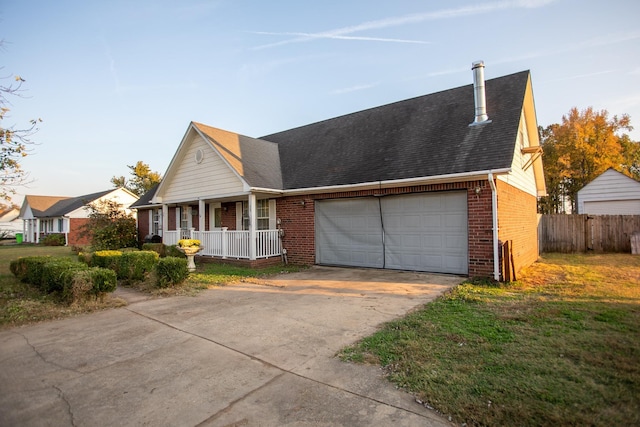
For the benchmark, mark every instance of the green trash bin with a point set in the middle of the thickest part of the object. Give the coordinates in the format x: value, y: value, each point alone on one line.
x: 18, y: 237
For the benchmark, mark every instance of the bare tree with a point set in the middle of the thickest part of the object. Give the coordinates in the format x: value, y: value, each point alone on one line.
x: 15, y: 141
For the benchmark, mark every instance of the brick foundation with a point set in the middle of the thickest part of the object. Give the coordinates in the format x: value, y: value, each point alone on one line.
x: 258, y: 263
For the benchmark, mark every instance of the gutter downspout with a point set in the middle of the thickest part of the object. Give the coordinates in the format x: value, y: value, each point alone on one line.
x: 494, y: 214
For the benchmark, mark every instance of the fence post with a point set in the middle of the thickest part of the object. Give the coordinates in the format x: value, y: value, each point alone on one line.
x: 224, y: 242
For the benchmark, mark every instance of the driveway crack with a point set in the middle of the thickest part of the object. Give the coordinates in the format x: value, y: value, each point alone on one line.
x: 68, y: 405
x: 41, y: 357
x: 271, y: 365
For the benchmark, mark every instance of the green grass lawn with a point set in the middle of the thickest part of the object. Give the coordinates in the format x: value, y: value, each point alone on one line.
x: 559, y: 347
x: 21, y: 303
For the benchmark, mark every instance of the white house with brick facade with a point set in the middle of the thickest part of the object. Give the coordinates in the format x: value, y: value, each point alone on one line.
x: 44, y: 215
x: 435, y: 183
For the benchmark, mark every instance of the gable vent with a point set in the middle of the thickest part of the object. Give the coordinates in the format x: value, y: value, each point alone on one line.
x: 479, y: 94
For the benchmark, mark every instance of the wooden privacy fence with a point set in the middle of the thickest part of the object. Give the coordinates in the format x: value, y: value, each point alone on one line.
x: 582, y: 233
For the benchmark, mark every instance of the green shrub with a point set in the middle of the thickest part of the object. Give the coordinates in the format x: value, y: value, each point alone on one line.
x: 156, y: 247
x: 74, y: 279
x: 58, y: 273
x: 104, y: 280
x: 86, y: 257
x: 79, y: 288
x: 107, y: 259
x: 171, y: 271
x: 93, y: 281
x: 53, y: 240
x: 135, y: 265
x: 21, y: 267
x: 173, y: 251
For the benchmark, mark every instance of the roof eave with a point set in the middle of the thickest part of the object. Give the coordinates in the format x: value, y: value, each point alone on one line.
x: 438, y: 179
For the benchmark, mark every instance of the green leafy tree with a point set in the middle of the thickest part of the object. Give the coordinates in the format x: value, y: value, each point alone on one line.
x: 110, y: 226
x: 583, y: 146
x: 15, y: 141
x: 142, y: 180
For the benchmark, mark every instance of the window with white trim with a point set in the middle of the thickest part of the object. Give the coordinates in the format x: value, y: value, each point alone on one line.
x: 262, y: 214
x: 184, y: 217
x: 156, y: 222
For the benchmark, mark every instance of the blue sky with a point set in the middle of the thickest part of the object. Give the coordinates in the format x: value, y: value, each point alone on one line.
x: 119, y: 81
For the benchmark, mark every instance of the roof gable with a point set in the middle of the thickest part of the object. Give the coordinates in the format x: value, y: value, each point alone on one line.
x: 230, y: 163
x: 419, y: 137
x: 37, y: 205
x: 612, y: 181
x: 55, y: 206
x: 256, y: 161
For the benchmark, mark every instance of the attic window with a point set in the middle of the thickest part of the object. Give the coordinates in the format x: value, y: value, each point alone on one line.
x: 199, y: 156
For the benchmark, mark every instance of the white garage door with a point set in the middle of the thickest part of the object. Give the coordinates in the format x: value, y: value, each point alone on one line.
x: 612, y: 207
x: 421, y: 232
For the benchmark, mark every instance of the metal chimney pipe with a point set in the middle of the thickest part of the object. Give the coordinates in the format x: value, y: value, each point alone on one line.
x: 479, y: 93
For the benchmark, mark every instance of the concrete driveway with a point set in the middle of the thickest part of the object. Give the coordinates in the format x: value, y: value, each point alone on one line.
x: 242, y: 355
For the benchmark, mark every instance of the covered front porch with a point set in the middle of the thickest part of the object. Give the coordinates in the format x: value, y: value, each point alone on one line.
x: 225, y: 243
x: 227, y: 229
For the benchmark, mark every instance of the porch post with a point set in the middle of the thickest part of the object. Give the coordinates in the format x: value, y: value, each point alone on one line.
x: 201, y: 210
x: 165, y: 220
x: 37, y: 230
x: 252, y: 226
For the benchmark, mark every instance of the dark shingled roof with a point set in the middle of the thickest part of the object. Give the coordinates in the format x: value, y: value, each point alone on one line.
x: 66, y: 206
x: 255, y: 160
x: 145, y: 199
x: 419, y: 137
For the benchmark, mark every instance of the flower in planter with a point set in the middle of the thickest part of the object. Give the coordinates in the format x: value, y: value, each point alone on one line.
x: 189, y: 243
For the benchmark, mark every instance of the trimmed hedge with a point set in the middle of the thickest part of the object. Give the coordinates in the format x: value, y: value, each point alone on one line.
x: 73, y: 280
x: 136, y: 265
x: 57, y: 239
x: 173, y: 251
x: 156, y: 247
x: 106, y: 259
x: 29, y: 269
x: 171, y: 271
x: 58, y: 273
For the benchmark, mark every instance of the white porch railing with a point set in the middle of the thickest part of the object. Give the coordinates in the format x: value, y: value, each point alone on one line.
x: 229, y: 243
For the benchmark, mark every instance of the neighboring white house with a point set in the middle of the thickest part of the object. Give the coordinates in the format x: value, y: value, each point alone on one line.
x: 10, y: 224
x: 44, y: 215
x: 611, y: 193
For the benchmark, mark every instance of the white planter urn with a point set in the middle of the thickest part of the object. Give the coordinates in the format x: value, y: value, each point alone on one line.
x: 190, y: 252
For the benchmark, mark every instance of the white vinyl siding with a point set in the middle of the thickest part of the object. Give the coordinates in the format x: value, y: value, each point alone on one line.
x: 192, y: 180
x: 519, y: 177
x: 611, y: 193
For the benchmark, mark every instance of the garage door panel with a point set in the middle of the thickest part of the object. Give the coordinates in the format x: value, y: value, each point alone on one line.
x: 440, y: 228
x: 422, y: 232
x: 349, y: 232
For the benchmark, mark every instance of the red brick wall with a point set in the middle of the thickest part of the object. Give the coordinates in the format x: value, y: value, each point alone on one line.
x: 144, y: 228
x: 480, y: 229
x: 297, y: 221
x: 75, y: 238
x: 228, y: 217
x: 518, y: 221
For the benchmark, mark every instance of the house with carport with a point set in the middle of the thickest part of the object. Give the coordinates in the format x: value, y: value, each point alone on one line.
x: 436, y: 183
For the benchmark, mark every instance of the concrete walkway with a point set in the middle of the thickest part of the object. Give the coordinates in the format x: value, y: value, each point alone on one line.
x: 243, y: 355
